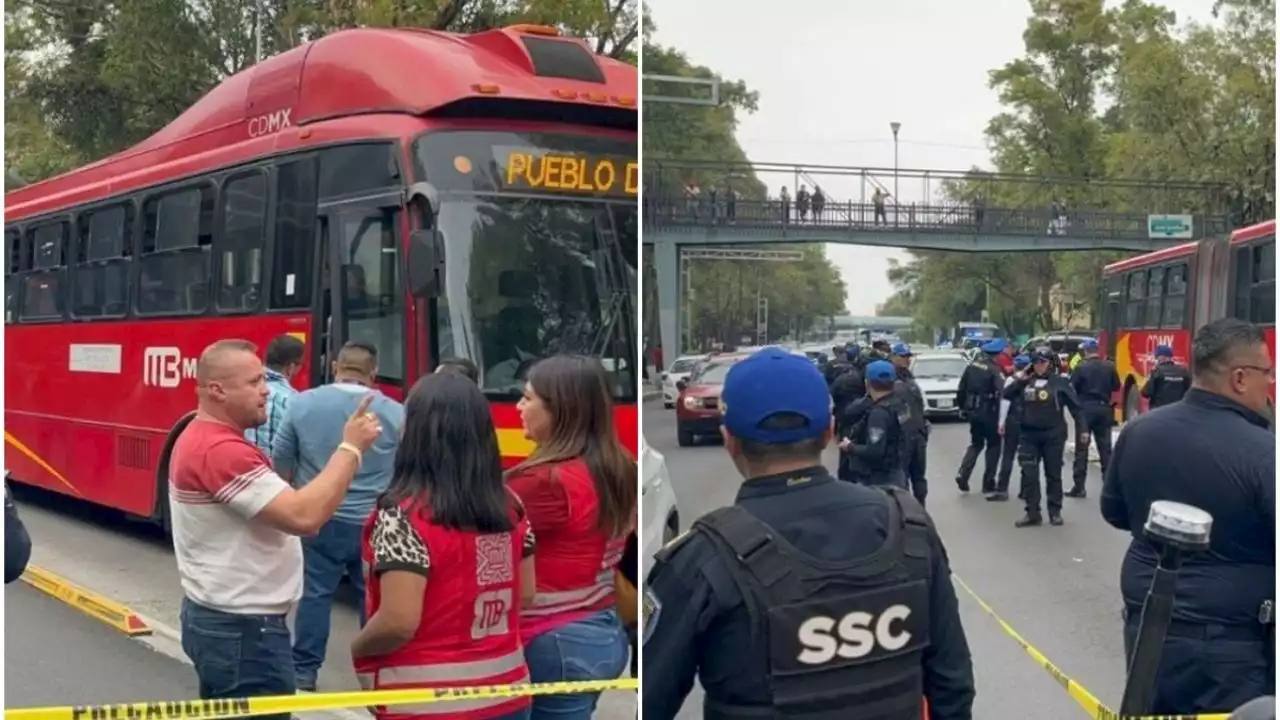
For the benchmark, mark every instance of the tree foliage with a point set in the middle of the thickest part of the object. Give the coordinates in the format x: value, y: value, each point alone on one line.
x: 87, y: 78
x: 1110, y: 93
x: 723, y: 301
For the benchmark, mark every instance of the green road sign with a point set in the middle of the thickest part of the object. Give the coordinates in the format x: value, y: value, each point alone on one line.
x: 1169, y: 226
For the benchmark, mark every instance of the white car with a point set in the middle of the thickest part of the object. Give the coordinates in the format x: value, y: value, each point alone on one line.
x: 938, y: 375
x: 661, y: 519
x: 679, y: 370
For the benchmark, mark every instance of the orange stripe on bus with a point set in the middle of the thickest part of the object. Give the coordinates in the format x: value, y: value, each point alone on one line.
x: 20, y: 447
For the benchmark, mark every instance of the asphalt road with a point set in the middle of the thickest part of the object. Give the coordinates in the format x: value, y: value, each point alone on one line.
x: 132, y: 563
x: 55, y: 655
x: 1058, y: 587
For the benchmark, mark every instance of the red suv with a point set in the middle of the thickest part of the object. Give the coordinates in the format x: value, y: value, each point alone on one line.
x: 698, y: 405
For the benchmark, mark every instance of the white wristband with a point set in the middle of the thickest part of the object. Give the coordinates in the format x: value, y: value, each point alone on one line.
x: 353, y: 450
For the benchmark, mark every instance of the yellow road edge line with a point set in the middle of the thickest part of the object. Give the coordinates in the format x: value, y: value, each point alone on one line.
x: 98, y: 607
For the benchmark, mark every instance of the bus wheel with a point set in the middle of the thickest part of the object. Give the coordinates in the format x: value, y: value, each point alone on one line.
x: 161, y: 514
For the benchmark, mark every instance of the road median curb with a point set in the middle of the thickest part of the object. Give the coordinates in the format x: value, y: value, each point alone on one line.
x: 96, y: 606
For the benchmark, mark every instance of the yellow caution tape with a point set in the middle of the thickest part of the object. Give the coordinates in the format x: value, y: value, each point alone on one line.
x: 1083, y: 697
x: 310, y: 702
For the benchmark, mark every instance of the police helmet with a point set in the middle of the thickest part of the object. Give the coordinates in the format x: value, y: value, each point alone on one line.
x: 994, y: 346
x: 901, y: 349
x: 1022, y: 361
x: 1164, y: 351
x: 1089, y: 345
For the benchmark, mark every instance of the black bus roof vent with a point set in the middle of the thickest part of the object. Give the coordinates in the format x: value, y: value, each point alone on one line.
x: 562, y: 59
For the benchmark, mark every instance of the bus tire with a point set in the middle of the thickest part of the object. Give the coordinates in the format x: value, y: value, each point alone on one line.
x: 161, y: 514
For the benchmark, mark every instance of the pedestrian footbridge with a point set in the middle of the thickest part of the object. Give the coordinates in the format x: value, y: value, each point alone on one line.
x: 699, y: 204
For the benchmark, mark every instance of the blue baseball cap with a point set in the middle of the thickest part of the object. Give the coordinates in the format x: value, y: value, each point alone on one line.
x: 994, y: 346
x: 1022, y: 361
x: 881, y: 371
x: 769, y: 382
x: 901, y: 350
x: 1089, y: 344
x: 1164, y: 351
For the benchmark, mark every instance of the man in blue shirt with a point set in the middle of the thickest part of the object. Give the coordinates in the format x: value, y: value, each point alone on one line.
x: 284, y: 358
x: 308, y: 437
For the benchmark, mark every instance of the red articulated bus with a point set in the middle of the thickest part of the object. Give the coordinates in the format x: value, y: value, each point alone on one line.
x: 432, y: 194
x: 1160, y: 298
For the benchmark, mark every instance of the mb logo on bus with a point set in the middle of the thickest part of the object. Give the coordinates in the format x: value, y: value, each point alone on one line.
x: 165, y: 367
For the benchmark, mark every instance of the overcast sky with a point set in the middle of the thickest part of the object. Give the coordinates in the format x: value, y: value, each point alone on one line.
x: 832, y: 75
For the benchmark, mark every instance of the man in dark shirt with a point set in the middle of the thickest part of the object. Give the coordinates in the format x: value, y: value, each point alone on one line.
x: 1213, y: 451
x: 700, y: 621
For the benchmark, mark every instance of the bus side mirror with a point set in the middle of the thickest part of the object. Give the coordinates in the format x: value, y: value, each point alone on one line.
x: 426, y: 263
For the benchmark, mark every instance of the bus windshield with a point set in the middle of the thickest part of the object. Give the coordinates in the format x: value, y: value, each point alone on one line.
x: 536, y: 266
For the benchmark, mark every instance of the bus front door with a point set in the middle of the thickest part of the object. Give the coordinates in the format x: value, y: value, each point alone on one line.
x: 362, y: 292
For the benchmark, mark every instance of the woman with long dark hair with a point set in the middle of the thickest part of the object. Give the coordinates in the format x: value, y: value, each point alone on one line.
x: 449, y: 558
x: 579, y: 489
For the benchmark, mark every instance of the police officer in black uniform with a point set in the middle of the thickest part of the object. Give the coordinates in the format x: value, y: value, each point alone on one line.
x: 1168, y: 382
x: 1213, y: 450
x: 978, y: 398
x: 916, y: 428
x: 840, y: 361
x: 808, y: 598
x: 871, y: 453
x: 848, y: 387
x: 1044, y: 394
x: 1010, y: 432
x: 1095, y: 382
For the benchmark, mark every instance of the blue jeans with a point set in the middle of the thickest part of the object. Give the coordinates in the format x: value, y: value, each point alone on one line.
x: 336, y: 548
x: 594, y: 648
x: 237, y: 655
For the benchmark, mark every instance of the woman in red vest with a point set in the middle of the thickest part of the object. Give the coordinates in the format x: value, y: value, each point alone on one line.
x: 579, y: 489
x: 449, y: 559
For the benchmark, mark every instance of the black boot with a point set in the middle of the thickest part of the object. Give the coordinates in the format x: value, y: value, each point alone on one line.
x: 1055, y: 518
x: 1029, y: 520
x: 962, y: 483
x: 1076, y: 491
x: 998, y: 496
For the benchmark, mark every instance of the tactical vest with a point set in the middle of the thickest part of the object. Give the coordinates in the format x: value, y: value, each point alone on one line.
x: 1174, y: 383
x: 979, y: 397
x: 1040, y: 408
x: 844, y: 639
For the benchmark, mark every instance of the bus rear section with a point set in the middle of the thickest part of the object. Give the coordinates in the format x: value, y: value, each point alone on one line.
x: 521, y: 210
x: 1159, y: 298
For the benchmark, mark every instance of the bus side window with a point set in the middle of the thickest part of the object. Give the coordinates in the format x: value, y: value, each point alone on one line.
x: 1175, y: 297
x: 100, y: 271
x: 295, y: 236
x: 1262, y: 290
x: 240, y: 245
x: 1155, y: 291
x: 177, y: 232
x: 12, y: 273
x: 1133, y: 309
x: 44, y: 287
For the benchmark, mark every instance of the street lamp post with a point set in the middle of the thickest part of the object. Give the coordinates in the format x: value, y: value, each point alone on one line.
x: 895, y: 127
